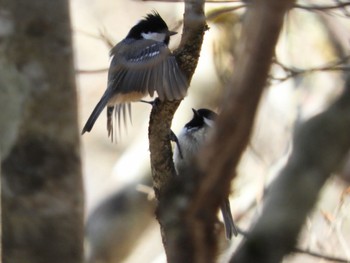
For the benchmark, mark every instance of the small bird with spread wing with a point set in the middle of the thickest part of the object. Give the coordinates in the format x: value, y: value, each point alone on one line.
x: 141, y: 64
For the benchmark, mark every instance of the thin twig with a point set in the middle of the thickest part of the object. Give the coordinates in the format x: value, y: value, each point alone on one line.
x: 102, y: 35
x: 321, y: 7
x: 207, y: 1
x: 294, y: 72
x: 91, y: 71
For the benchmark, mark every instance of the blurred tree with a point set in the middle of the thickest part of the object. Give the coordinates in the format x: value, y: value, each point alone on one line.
x: 41, y: 179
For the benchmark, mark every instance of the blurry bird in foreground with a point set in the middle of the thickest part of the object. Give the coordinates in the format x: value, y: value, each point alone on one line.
x: 191, y: 138
x: 141, y: 64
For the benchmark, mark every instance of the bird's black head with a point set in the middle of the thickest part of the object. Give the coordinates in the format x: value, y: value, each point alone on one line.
x: 151, y: 27
x: 200, y: 118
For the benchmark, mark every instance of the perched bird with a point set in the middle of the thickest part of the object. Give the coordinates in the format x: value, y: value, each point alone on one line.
x: 140, y: 65
x: 195, y: 133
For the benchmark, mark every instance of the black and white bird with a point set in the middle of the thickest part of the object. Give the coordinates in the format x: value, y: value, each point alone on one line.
x: 189, y: 141
x: 141, y: 64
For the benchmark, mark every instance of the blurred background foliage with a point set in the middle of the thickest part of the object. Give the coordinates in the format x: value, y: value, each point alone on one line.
x: 305, y: 77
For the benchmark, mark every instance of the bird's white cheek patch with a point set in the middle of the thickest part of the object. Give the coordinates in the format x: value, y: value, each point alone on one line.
x: 154, y: 36
x: 209, y: 122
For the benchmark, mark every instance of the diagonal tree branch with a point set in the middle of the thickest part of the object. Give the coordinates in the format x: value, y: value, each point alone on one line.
x: 260, y: 32
x: 162, y: 113
x: 320, y: 145
x: 322, y: 7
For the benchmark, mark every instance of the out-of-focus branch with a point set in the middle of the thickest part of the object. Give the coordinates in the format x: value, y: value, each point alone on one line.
x: 91, y: 71
x: 261, y: 27
x: 320, y: 145
x: 162, y: 166
x: 162, y: 113
x: 113, y: 227
x: 260, y: 33
x: 291, y: 72
x: 322, y: 7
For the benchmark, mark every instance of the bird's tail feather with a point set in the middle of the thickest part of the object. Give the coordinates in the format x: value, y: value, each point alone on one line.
x: 115, y: 114
x: 230, y: 227
x: 96, y: 113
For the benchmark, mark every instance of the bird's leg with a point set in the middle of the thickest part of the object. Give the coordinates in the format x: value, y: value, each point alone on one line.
x: 152, y: 102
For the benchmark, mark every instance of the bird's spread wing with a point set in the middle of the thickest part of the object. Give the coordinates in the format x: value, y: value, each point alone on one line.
x: 148, y: 68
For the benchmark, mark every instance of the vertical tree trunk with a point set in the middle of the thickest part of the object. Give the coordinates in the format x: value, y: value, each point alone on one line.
x: 41, y: 182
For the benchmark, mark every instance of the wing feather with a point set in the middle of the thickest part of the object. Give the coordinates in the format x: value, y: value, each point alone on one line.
x: 159, y: 85
x: 129, y: 110
x: 165, y: 86
x: 158, y: 80
x: 175, y: 84
x: 152, y: 68
x: 152, y: 82
x: 180, y: 83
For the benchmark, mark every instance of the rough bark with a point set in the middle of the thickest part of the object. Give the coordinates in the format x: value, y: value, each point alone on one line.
x: 163, y: 171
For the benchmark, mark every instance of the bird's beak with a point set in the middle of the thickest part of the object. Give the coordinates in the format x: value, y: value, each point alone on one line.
x: 171, y: 33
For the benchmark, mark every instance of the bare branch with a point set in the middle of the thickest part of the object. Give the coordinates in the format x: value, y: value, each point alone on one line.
x: 163, y: 171
x: 91, y: 71
x: 291, y: 72
x: 103, y: 36
x: 322, y: 7
x: 207, y: 1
